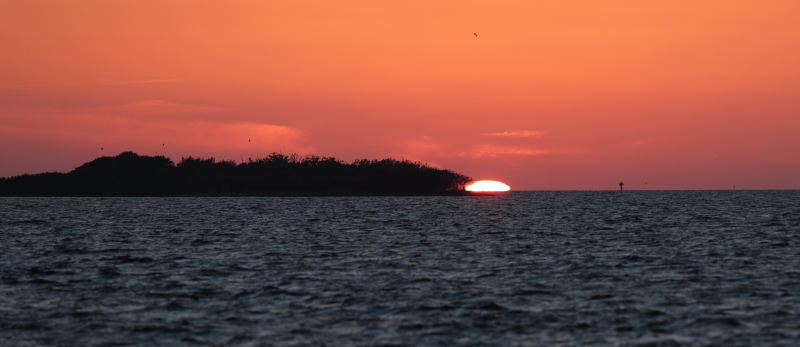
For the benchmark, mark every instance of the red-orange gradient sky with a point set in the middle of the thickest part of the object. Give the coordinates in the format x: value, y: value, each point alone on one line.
x: 549, y: 95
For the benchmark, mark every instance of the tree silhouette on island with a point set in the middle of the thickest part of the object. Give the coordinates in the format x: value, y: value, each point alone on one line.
x: 130, y: 174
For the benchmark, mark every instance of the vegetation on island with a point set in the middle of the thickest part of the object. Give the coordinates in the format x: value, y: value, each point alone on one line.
x: 130, y: 174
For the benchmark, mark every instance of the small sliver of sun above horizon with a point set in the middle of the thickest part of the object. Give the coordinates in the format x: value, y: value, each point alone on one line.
x: 487, y: 186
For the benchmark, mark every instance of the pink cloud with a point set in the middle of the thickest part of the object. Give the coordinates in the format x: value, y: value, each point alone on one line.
x: 93, y: 82
x: 479, y: 151
x: 649, y: 141
x: 119, y: 132
x: 523, y: 133
x: 427, y: 148
x: 149, y: 107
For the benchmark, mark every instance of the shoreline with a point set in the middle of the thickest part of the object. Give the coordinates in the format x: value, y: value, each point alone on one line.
x: 262, y: 194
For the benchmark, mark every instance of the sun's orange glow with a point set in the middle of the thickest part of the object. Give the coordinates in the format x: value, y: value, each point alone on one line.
x: 488, y: 186
x: 545, y: 95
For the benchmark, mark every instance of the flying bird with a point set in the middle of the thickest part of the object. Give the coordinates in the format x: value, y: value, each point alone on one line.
x: 476, y: 34
x: 248, y: 140
x: 101, y: 148
x: 162, y: 144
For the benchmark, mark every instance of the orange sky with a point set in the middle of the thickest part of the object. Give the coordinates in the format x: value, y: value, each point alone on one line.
x: 549, y: 95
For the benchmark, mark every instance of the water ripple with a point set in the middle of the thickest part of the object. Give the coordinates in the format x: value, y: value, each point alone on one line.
x: 525, y: 269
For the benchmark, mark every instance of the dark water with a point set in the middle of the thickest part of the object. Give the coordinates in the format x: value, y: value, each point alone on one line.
x: 715, y: 268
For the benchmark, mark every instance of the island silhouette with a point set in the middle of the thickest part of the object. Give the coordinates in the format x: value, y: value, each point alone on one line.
x: 130, y: 174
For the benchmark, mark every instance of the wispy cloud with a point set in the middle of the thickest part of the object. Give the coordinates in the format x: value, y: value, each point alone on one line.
x: 479, y: 151
x: 118, y: 132
x: 156, y: 107
x: 173, y: 80
x: 649, y: 141
x: 425, y: 148
x: 93, y: 82
x: 523, y: 133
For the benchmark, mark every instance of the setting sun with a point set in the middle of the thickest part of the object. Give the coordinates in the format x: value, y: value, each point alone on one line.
x: 488, y: 186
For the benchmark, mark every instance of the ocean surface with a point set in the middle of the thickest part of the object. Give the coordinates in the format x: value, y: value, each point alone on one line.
x: 638, y: 268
